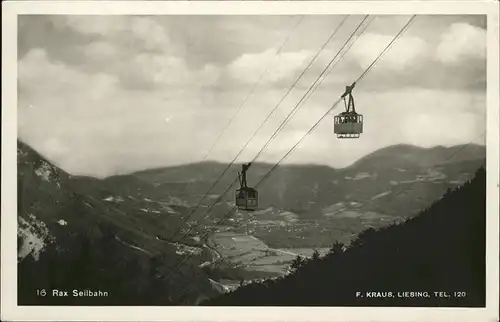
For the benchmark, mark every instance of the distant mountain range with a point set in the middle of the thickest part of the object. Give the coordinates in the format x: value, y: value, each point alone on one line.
x: 391, y: 183
x: 133, y: 220
x: 387, y: 185
x: 313, y: 188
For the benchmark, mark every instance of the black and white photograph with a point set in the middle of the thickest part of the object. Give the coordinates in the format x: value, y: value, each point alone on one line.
x: 272, y: 159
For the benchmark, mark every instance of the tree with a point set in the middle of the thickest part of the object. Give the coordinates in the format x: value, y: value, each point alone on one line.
x: 315, y: 255
x: 297, y: 262
x: 336, y: 248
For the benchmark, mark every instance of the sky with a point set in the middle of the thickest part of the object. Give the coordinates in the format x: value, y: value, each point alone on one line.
x: 105, y: 95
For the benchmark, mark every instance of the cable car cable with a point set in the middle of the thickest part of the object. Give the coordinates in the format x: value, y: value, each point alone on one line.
x: 290, y: 114
x: 405, y: 27
x: 278, y: 53
x: 310, y: 130
x: 274, y: 134
x: 303, y: 99
x: 300, y: 76
x: 340, y: 58
x: 340, y: 99
x: 267, y: 118
x: 235, y: 181
x: 224, y: 217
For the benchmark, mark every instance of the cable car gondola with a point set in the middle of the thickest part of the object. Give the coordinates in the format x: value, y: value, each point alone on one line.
x: 246, y: 197
x: 348, y: 124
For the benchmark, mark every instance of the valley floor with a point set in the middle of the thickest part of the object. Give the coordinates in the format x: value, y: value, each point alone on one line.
x: 254, y: 256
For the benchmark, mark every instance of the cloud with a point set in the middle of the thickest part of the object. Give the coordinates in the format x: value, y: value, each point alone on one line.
x: 165, y: 70
x: 153, y: 35
x: 162, y: 71
x: 80, y: 119
x: 94, y: 24
x: 461, y: 42
x: 405, y: 51
x: 249, y: 68
x: 100, y: 50
x: 53, y: 147
x: 412, y: 61
x: 139, y: 53
x: 141, y: 30
x: 38, y: 75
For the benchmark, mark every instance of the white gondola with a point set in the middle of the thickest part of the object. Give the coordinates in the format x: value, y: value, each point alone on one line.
x: 348, y: 124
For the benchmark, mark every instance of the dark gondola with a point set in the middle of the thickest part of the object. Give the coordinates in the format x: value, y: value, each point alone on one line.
x: 246, y: 197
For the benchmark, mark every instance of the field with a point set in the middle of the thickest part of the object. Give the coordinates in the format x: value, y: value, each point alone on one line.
x: 252, y: 254
x: 307, y: 252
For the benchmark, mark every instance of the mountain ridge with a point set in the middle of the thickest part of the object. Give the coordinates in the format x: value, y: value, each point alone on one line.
x: 212, y: 163
x: 391, y: 150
